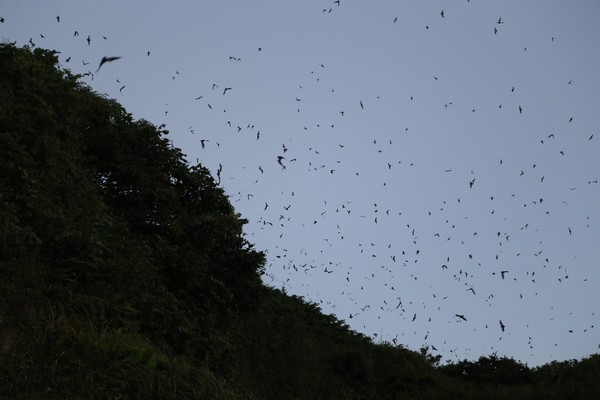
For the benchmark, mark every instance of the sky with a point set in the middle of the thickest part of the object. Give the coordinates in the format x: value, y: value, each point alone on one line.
x: 438, y: 184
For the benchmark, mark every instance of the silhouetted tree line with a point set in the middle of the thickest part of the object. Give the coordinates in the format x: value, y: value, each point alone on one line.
x: 124, y: 273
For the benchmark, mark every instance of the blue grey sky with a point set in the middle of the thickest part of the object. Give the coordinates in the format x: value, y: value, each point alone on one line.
x: 424, y: 153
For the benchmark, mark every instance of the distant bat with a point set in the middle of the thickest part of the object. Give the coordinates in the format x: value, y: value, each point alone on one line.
x: 460, y: 316
x: 105, y: 60
x: 279, y: 158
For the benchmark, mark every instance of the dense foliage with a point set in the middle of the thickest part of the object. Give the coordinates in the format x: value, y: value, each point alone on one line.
x: 124, y: 273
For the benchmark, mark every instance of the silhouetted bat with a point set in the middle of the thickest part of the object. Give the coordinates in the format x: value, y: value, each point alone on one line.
x: 105, y: 60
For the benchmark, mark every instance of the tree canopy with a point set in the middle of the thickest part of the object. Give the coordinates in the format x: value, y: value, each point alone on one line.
x: 125, y: 273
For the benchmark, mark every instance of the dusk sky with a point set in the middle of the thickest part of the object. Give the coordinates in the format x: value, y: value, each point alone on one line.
x: 438, y: 184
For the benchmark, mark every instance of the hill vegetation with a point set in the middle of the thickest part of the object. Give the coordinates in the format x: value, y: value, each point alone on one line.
x: 125, y: 274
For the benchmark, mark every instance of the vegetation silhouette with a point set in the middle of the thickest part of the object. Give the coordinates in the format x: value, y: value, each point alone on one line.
x: 125, y: 274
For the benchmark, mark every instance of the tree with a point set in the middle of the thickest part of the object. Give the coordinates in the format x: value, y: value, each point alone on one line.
x: 111, y: 245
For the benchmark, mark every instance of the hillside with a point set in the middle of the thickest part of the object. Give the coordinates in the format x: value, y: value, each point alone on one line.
x: 125, y: 273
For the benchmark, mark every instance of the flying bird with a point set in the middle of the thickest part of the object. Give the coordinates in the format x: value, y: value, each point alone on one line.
x: 460, y: 316
x: 105, y: 60
x: 502, y: 326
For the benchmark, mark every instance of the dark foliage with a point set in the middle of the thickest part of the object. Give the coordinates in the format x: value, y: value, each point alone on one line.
x: 124, y: 273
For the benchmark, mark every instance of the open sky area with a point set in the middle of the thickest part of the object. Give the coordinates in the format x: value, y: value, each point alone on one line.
x: 425, y: 170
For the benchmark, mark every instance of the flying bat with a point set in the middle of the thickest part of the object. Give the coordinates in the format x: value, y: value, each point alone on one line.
x: 105, y: 60
x: 279, y: 158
